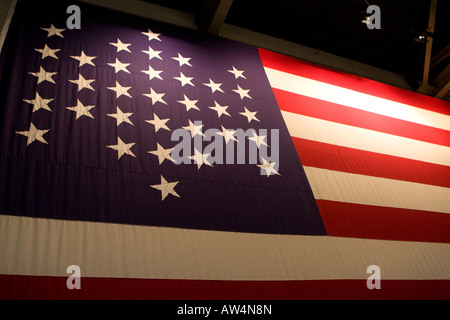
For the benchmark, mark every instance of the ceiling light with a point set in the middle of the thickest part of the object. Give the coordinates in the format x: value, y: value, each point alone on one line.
x: 423, y: 37
x: 366, y: 19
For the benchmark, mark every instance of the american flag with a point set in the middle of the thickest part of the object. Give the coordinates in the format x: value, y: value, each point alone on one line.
x: 91, y: 174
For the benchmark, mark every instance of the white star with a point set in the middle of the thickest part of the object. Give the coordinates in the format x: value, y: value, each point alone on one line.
x: 190, y: 104
x: 250, y: 115
x: 121, y: 46
x: 152, y: 73
x: 84, y: 59
x: 227, y: 134
x: 122, y: 148
x: 151, y: 35
x: 81, y: 110
x: 156, y: 97
x: 237, y: 73
x: 162, y: 153
x: 119, y: 66
x: 158, y: 123
x: 48, y: 52
x: 43, y: 75
x: 268, y: 167
x: 182, y: 60
x: 34, y: 134
x: 214, y: 86
x: 83, y: 83
x: 120, y: 90
x: 200, y: 158
x: 220, y: 109
x: 259, y: 140
x: 121, y: 117
x: 166, y: 188
x: 194, y: 128
x: 53, y: 31
x: 152, y: 53
x: 184, y: 80
x: 243, y: 93
x: 39, y: 103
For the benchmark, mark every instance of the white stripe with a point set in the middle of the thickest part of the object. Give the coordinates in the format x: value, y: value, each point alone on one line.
x: 310, y: 128
x: 361, y: 189
x: 31, y: 246
x: 354, y: 99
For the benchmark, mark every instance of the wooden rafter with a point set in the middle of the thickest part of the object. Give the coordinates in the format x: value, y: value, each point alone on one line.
x: 442, y: 82
x: 431, y: 22
x: 440, y: 56
x: 213, y: 15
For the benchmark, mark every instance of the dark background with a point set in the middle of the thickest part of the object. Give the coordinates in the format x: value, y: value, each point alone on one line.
x: 334, y: 26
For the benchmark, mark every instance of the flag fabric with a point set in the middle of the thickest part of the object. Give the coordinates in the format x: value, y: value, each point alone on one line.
x: 386, y: 151
x: 167, y: 164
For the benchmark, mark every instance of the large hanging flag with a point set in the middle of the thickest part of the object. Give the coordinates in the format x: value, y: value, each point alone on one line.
x: 166, y: 164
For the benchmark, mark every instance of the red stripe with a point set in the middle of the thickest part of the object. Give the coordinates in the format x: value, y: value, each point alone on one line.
x: 329, y: 111
x: 373, y: 222
x: 308, y: 70
x: 328, y: 156
x: 46, y: 288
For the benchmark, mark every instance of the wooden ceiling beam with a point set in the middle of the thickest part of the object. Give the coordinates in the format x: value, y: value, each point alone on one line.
x: 443, y: 77
x: 443, y: 54
x: 442, y: 82
x: 431, y: 22
x: 213, y: 15
x: 441, y: 92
